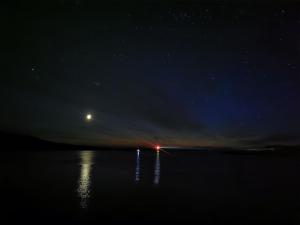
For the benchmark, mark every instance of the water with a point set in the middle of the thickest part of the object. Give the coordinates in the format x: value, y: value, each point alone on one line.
x: 144, y: 187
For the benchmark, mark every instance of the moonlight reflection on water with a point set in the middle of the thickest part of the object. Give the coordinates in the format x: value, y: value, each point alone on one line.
x: 84, y: 182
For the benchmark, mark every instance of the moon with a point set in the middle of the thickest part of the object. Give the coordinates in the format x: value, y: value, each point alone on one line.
x: 89, y: 117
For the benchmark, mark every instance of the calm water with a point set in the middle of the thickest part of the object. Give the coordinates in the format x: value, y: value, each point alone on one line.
x: 143, y: 187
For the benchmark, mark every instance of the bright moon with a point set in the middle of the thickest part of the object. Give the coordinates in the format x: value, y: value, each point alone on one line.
x: 89, y: 117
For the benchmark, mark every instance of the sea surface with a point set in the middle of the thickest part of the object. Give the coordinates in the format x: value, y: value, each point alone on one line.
x: 148, y: 187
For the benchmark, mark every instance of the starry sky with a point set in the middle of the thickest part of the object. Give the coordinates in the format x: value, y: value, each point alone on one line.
x: 175, y: 73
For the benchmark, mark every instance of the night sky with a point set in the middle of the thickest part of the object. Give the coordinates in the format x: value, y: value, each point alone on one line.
x: 175, y: 73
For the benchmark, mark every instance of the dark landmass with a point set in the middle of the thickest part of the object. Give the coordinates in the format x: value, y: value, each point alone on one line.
x: 24, y: 142
x: 267, y: 150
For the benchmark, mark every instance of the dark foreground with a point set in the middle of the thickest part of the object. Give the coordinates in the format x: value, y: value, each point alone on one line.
x: 115, y: 187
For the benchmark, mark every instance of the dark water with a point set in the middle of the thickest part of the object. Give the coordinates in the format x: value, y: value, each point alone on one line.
x: 113, y: 187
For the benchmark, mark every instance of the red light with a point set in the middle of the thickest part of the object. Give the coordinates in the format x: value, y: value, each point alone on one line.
x: 157, y: 147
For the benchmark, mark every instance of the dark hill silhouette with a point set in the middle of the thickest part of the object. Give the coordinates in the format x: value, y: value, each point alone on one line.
x: 11, y: 141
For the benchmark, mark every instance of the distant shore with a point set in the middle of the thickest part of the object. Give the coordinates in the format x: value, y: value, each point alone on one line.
x: 20, y: 142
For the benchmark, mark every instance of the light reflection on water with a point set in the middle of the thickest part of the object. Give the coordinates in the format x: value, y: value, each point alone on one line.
x: 157, y: 169
x: 137, y: 168
x: 84, y: 182
x: 85, y: 177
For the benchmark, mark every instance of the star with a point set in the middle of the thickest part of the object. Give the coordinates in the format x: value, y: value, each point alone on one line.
x: 96, y: 83
x: 212, y: 77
